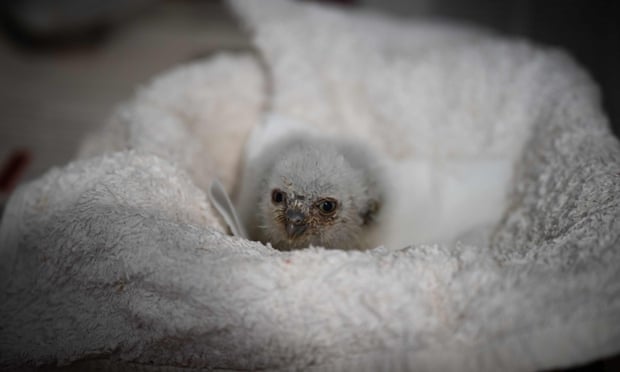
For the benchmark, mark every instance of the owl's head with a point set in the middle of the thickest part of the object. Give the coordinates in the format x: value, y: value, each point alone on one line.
x: 314, y: 196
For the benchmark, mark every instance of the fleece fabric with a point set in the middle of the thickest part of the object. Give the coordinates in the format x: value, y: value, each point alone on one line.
x: 501, y: 237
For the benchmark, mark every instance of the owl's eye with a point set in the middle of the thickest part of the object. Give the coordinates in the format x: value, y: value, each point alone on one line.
x: 277, y: 196
x: 327, y: 206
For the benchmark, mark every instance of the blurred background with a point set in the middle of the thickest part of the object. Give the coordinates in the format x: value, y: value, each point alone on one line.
x: 65, y: 64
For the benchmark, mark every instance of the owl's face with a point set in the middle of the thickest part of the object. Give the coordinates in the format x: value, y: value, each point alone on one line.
x: 314, y: 196
x: 294, y: 220
x: 297, y: 213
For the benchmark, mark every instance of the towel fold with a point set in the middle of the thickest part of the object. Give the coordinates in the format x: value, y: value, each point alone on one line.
x: 118, y: 260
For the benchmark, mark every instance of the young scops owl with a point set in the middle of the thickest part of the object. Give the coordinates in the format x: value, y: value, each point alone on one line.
x: 311, y: 191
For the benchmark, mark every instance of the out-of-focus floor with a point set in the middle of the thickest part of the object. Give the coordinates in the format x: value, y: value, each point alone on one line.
x: 50, y: 98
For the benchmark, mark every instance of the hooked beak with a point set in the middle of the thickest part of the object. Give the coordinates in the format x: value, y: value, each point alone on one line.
x: 295, y: 223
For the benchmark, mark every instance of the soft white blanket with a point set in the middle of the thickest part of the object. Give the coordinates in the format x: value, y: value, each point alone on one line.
x: 501, y: 242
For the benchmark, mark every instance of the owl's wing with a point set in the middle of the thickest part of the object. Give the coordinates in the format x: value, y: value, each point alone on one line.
x: 221, y: 202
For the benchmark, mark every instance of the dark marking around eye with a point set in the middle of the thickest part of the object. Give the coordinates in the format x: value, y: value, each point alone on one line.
x: 327, y: 206
x: 277, y: 196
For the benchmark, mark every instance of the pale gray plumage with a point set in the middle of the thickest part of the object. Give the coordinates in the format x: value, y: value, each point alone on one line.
x: 311, y: 191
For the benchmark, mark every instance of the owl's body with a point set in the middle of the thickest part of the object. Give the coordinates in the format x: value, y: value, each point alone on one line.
x: 316, y: 191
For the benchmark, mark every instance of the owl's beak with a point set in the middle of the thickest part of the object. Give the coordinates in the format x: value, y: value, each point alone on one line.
x: 295, y: 223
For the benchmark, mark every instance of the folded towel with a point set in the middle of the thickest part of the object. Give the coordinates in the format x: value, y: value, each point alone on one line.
x: 117, y: 260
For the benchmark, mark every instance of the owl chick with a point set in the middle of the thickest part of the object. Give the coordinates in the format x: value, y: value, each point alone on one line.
x: 312, y: 191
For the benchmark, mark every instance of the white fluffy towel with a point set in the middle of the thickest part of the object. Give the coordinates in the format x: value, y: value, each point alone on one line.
x: 501, y: 241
